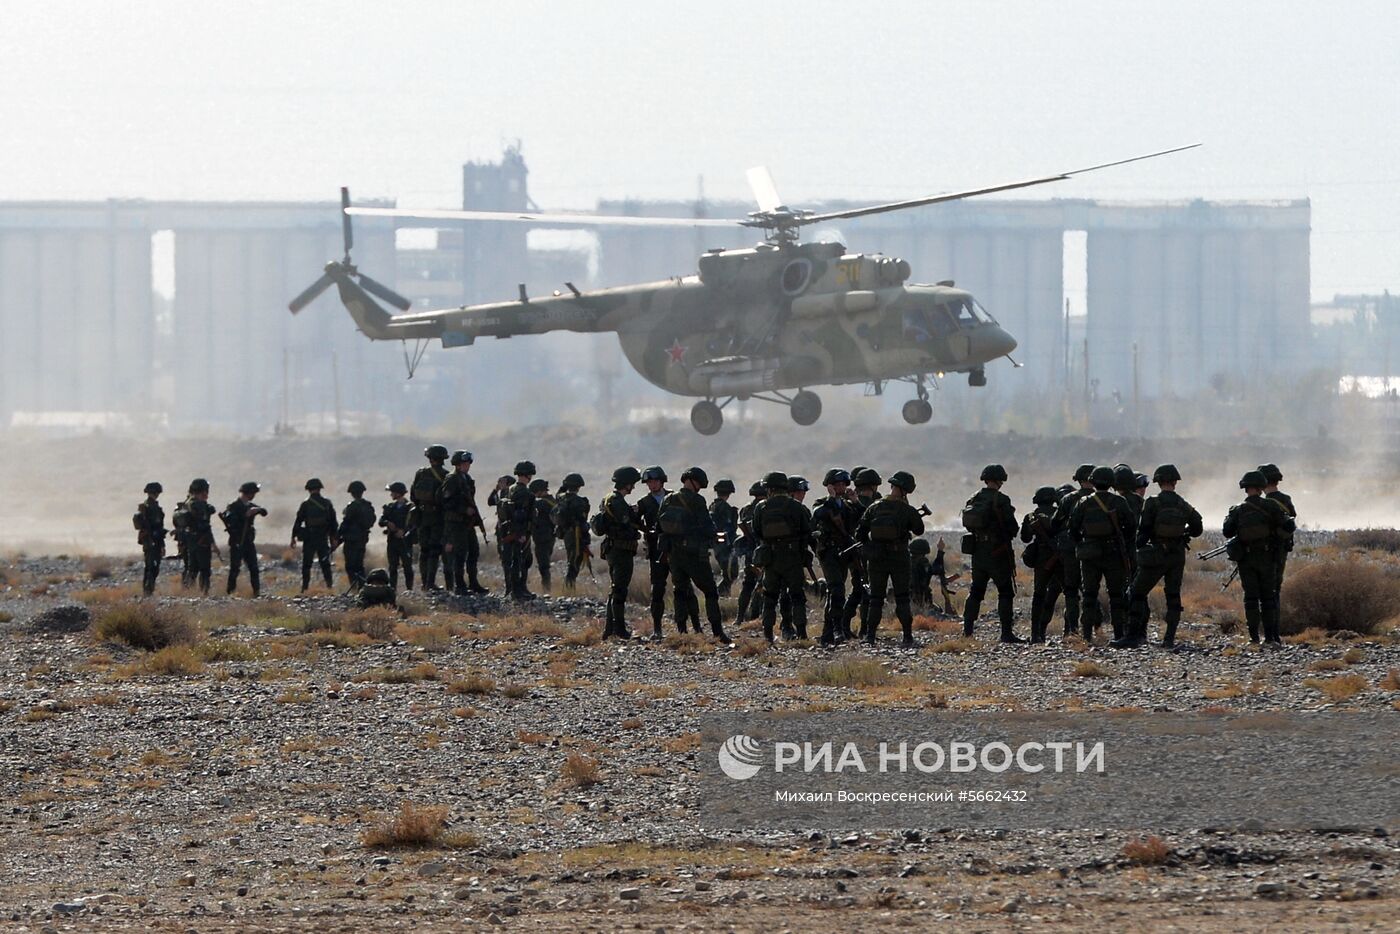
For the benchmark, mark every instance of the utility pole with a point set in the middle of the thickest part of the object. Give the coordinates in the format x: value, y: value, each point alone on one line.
x: 335, y: 382
x: 1137, y: 396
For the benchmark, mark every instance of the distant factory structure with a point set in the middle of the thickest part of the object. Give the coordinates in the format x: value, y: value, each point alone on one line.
x: 136, y: 314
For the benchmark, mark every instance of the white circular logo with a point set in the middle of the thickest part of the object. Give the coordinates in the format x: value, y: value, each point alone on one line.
x: 740, y: 757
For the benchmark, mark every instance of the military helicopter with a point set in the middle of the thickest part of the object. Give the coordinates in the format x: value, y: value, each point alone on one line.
x: 766, y: 322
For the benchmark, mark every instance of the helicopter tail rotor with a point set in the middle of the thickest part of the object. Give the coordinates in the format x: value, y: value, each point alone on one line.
x: 346, y: 267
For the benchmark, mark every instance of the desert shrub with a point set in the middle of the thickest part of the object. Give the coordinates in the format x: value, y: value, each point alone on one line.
x: 145, y: 626
x: 846, y: 673
x: 1338, y: 689
x: 173, y: 661
x: 591, y: 634
x: 515, y: 691
x: 579, y: 771
x: 473, y: 682
x: 1339, y: 595
x: 1148, y: 851
x: 1387, y: 540
x: 1090, y: 669
x: 226, y: 650
x: 98, y: 567
x: 413, y: 826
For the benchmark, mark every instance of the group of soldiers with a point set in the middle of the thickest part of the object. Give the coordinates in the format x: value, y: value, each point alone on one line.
x: 1101, y: 532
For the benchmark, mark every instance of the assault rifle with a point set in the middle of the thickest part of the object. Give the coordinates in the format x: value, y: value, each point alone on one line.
x: 1215, y: 553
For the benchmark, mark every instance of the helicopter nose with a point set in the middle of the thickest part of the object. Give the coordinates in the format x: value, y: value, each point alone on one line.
x: 989, y: 343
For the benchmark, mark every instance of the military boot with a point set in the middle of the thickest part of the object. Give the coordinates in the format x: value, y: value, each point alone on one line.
x: 1008, y: 633
x: 1251, y: 619
x: 1169, y: 634
x: 869, y: 625
x: 305, y: 579
x: 1270, y: 613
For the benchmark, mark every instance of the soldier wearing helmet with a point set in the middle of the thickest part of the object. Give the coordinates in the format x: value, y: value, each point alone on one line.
x: 1258, y: 528
x: 1069, y: 564
x: 515, y: 516
x: 1164, y: 533
x: 687, y: 535
x: 834, y: 520
x: 199, y: 535
x: 748, y: 540
x: 425, y: 492
x: 238, y: 518
x: 316, y: 528
x: 1102, y: 526
x: 884, y: 531
x: 461, y: 518
x: 616, y: 524
x: 921, y: 573
x: 990, y: 519
x: 542, y: 530
x: 571, y: 525
x: 149, y: 521
x: 648, y: 513
x: 398, y: 535
x: 783, y: 528
x: 378, y: 589
x: 1039, y: 532
x: 356, y: 522
x: 1272, y: 478
x: 726, y: 520
x: 864, y: 491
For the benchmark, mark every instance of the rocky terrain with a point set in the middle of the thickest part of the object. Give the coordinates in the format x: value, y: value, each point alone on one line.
x: 265, y: 769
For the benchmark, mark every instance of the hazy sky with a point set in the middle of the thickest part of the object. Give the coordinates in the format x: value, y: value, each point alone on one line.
x: 289, y: 100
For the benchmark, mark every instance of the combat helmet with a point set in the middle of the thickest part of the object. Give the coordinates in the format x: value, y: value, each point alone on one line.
x: 1167, y: 473
x: 571, y: 481
x: 315, y: 484
x: 724, y: 485
x: 355, y: 488
x: 199, y: 485
x: 1123, y: 477
x: 461, y: 457
x: 1253, y: 478
x: 903, y: 479
x: 1082, y: 473
x: 538, y: 486
x: 994, y: 472
x: 154, y: 487
x: 798, y: 484
x: 855, y: 471
x: 835, y: 475
x: 525, y: 469
x: 435, y: 452
x: 756, y: 488
x: 654, y: 472
x: 397, y: 487
x: 249, y: 487
x: 866, y: 476
x: 1045, y: 496
x: 697, y: 474
x: 1102, y: 477
x: 920, y: 546
x: 1140, y: 481
x: 1271, y: 473
x: 379, y: 576
x: 625, y: 476
x: 775, y: 480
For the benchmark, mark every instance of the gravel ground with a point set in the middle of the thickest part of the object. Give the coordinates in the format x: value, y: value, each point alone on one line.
x: 238, y: 797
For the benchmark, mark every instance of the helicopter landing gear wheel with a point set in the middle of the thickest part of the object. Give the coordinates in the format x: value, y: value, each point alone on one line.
x: 806, y: 408
x: 917, y: 411
x: 706, y: 418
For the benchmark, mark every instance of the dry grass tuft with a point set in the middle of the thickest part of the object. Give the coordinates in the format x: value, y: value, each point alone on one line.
x: 226, y: 650
x: 432, y: 637
x: 1354, y: 656
x: 1313, y: 637
x: 515, y: 691
x: 1147, y: 851
x: 592, y: 634
x: 98, y: 567
x: 522, y: 626
x: 413, y: 827
x: 1387, y: 540
x: 1336, y: 595
x: 473, y: 682
x: 686, y: 742
x: 1090, y: 669
x: 690, y: 643
x: 1340, y: 688
x: 296, y: 696
x: 1228, y: 689
x: 580, y: 771
x: 846, y: 673
x: 959, y: 644
x: 171, y: 661
x: 143, y: 626
x: 1391, y: 681
x: 750, y: 648
x: 1328, y: 664
x: 945, y: 627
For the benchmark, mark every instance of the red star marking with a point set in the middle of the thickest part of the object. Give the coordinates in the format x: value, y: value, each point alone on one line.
x: 676, y: 351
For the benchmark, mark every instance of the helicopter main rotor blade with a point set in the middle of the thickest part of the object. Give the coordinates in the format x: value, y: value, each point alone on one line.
x: 765, y: 192
x: 381, y: 290
x: 346, y: 232
x: 973, y: 192
x: 545, y: 220
x: 310, y: 294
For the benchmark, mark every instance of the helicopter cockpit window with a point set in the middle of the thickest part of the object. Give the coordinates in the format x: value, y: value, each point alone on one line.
x: 982, y: 313
x: 962, y: 313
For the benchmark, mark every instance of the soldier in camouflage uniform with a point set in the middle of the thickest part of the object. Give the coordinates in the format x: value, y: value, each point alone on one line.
x: 149, y: 521
x: 783, y: 528
x: 921, y: 573
x: 884, y: 531
x: 1273, y: 477
x: 199, y: 534
x: 1102, y: 526
x: 515, y: 513
x: 460, y: 520
x: 1125, y: 485
x: 1165, y: 529
x: 648, y: 509
x: 1257, y: 529
x: 1065, y: 544
x: 378, y: 590
x: 748, y: 541
x: 542, y: 530
x: 355, y: 525
x: 571, y: 525
x: 238, y: 518
x: 316, y: 528
x: 616, y: 525
x: 834, y: 521
x: 1039, y: 532
x: 990, y: 517
x: 687, y: 534
x: 866, y: 481
x: 726, y: 520
x: 425, y: 492
x: 398, y: 536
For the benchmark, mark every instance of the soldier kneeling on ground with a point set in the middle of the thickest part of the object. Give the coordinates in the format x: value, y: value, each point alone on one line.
x: 377, y: 591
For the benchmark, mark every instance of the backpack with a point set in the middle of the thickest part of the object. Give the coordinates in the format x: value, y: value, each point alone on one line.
x: 885, y: 527
x: 1254, y: 524
x: 977, y: 515
x: 1099, y: 522
x: 1170, y: 523
x: 774, y: 525
x: 599, y: 523
x: 674, y: 520
x: 425, y: 489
